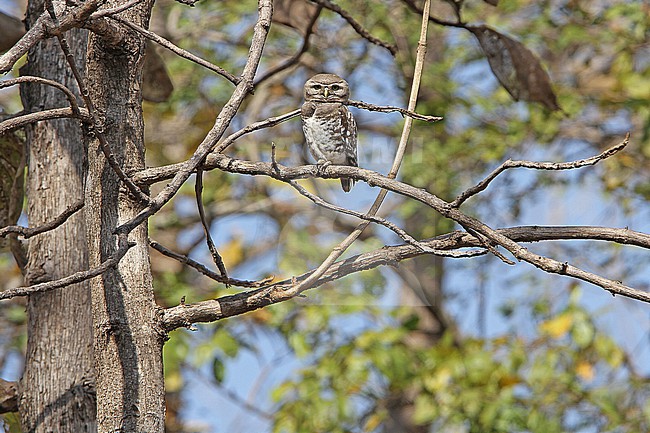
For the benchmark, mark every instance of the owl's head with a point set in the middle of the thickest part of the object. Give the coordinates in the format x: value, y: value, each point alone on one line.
x: 327, y: 88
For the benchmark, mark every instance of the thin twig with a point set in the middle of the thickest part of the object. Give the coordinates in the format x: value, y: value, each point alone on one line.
x: 361, y: 31
x: 216, y: 257
x: 396, y: 229
x: 391, y: 109
x: 296, y: 57
x: 21, y: 119
x: 482, y: 185
x: 75, y: 278
x: 112, y: 11
x: 206, y: 271
x: 28, y: 232
x: 177, y: 50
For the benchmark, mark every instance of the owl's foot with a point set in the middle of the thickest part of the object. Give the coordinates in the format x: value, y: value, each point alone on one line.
x: 321, y: 165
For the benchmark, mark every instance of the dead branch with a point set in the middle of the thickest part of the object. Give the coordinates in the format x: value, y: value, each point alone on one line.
x: 21, y: 120
x: 391, y: 109
x: 361, y: 31
x: 206, y: 271
x: 177, y: 50
x: 30, y: 79
x: 549, y: 265
x: 77, y: 277
x: 28, y: 232
x: 296, y: 57
x: 46, y: 28
x: 232, y: 305
x: 482, y: 185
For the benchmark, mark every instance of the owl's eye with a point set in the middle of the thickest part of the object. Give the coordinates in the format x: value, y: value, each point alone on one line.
x: 316, y: 87
x: 336, y: 87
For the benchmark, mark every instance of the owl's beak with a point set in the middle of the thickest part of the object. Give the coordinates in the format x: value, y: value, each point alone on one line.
x: 326, y: 92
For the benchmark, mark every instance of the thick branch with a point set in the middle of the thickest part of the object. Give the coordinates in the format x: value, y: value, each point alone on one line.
x: 232, y: 305
x: 55, y: 113
x: 282, y: 173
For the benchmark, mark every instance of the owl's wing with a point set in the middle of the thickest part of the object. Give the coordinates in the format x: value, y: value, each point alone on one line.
x: 349, y: 135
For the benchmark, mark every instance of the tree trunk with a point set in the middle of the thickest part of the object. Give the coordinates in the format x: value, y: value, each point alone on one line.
x: 57, y: 392
x: 127, y: 338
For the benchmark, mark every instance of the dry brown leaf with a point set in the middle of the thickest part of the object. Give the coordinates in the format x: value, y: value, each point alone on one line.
x: 11, y: 30
x: 518, y: 70
x: 296, y: 14
x: 156, y: 84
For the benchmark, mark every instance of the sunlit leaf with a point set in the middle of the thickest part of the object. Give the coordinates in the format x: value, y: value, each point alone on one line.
x: 558, y: 326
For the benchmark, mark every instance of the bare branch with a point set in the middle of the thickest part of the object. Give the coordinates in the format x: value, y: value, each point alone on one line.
x: 296, y: 57
x: 112, y: 11
x: 222, y: 121
x: 45, y: 28
x: 30, y: 79
x: 21, y: 120
x: 232, y: 305
x: 482, y: 185
x: 206, y: 271
x: 216, y: 257
x: 75, y: 278
x: 391, y: 109
x: 282, y: 173
x: 355, y: 25
x: 177, y: 50
x: 28, y: 232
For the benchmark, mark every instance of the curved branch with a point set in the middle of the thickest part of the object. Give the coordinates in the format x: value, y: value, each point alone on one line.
x: 232, y: 305
x: 31, y: 79
x: 482, y: 185
x: 55, y: 113
x: 356, y: 26
x: 296, y: 57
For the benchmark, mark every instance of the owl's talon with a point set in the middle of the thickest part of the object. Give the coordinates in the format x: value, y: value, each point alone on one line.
x: 321, y: 165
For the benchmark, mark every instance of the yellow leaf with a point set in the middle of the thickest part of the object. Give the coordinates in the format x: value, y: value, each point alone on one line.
x: 232, y: 252
x: 585, y: 370
x: 558, y: 326
x: 373, y: 422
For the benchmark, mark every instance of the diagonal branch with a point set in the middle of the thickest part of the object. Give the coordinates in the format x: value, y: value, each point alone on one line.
x: 206, y: 271
x: 28, y: 232
x: 482, y: 185
x: 391, y: 109
x: 232, y: 305
x: 222, y: 121
x: 75, y: 278
x: 177, y: 50
x: 361, y: 31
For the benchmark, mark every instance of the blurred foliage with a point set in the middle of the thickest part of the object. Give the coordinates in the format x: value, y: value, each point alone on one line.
x: 355, y: 365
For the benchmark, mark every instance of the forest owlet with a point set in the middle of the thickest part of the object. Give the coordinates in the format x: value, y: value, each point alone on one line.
x: 330, y: 129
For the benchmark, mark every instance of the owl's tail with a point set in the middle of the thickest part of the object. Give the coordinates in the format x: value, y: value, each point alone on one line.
x: 346, y: 184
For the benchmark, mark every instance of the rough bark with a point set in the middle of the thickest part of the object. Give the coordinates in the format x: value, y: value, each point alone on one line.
x: 127, y: 337
x: 57, y: 394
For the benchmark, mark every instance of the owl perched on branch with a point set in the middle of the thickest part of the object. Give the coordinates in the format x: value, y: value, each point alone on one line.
x: 330, y: 129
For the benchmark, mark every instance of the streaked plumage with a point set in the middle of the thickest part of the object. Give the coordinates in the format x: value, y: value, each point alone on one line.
x: 329, y: 127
